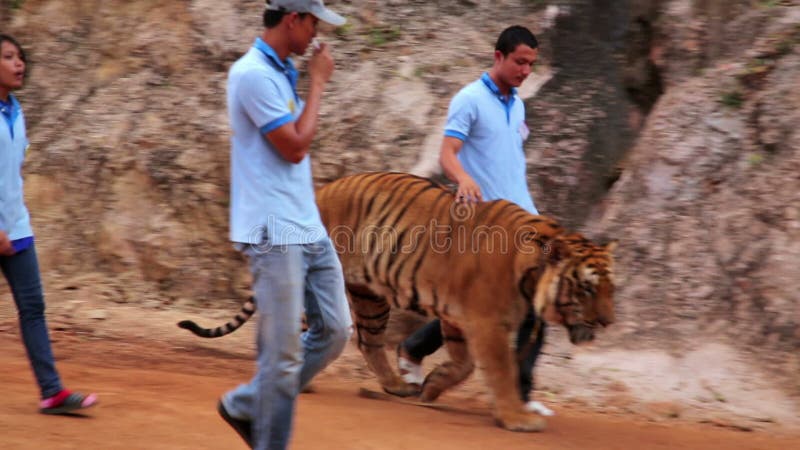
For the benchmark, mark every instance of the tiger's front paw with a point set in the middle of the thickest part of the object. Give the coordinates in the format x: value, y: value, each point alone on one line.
x: 430, y: 392
x: 522, y: 421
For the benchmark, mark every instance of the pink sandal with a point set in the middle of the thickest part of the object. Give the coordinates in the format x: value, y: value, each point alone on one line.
x: 66, y: 401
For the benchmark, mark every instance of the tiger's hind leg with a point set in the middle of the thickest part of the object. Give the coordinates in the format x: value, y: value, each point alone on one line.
x: 371, y: 316
x: 450, y: 373
x: 490, y: 345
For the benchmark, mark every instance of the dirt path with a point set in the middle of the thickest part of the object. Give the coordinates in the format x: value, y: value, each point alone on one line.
x: 158, y: 396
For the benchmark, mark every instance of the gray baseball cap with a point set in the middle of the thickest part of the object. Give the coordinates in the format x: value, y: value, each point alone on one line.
x: 315, y: 7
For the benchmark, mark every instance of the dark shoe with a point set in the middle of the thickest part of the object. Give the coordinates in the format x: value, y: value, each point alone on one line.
x: 242, y: 427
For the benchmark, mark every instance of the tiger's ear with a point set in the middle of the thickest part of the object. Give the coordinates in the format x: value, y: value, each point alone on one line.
x: 611, y: 246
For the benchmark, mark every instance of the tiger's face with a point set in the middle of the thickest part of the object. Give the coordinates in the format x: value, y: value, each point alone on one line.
x: 595, y: 277
x: 577, y: 287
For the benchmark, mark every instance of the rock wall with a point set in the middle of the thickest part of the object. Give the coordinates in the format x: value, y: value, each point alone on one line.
x: 709, y: 201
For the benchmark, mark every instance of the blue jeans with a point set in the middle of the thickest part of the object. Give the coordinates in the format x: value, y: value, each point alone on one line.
x: 286, y: 280
x: 22, y: 272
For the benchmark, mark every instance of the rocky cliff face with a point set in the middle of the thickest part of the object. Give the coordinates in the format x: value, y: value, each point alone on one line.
x: 669, y: 125
x: 708, y: 202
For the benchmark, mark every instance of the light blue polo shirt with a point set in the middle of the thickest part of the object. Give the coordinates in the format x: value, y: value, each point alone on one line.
x: 14, y: 217
x: 493, y: 130
x: 270, y: 197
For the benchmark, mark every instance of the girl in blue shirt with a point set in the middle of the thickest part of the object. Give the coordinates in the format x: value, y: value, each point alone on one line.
x: 17, y: 251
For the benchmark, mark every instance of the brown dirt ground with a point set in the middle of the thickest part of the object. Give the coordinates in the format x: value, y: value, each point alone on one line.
x: 158, y: 390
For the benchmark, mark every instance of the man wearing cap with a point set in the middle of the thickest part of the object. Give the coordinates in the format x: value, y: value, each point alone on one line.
x: 276, y: 223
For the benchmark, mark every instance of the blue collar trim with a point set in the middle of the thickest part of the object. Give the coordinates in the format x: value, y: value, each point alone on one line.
x: 287, y: 67
x: 507, y: 101
x: 487, y: 80
x: 10, y: 111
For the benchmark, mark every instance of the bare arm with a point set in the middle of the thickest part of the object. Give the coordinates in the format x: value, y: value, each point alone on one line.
x: 293, y: 139
x: 468, y: 190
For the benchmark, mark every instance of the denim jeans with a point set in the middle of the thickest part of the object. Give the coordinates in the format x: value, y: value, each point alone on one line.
x: 286, y: 280
x: 22, y: 272
x: 427, y: 339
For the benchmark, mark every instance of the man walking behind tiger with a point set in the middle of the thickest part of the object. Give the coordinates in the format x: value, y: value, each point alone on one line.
x: 482, y: 152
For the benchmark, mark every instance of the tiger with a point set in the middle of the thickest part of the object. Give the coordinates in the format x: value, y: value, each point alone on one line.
x: 405, y: 242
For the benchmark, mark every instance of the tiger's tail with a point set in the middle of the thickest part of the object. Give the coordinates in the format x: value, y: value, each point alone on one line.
x: 248, y: 308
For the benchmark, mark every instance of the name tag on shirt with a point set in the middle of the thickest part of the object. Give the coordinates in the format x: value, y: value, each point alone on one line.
x: 524, y: 132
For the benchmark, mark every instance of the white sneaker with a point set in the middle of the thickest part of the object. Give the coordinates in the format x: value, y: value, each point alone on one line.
x: 410, y: 372
x: 539, y: 408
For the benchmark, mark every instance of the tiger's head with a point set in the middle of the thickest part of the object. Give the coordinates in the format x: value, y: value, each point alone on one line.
x: 574, y: 286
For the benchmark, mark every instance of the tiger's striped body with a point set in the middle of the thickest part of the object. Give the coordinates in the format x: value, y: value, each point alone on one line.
x: 405, y: 243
